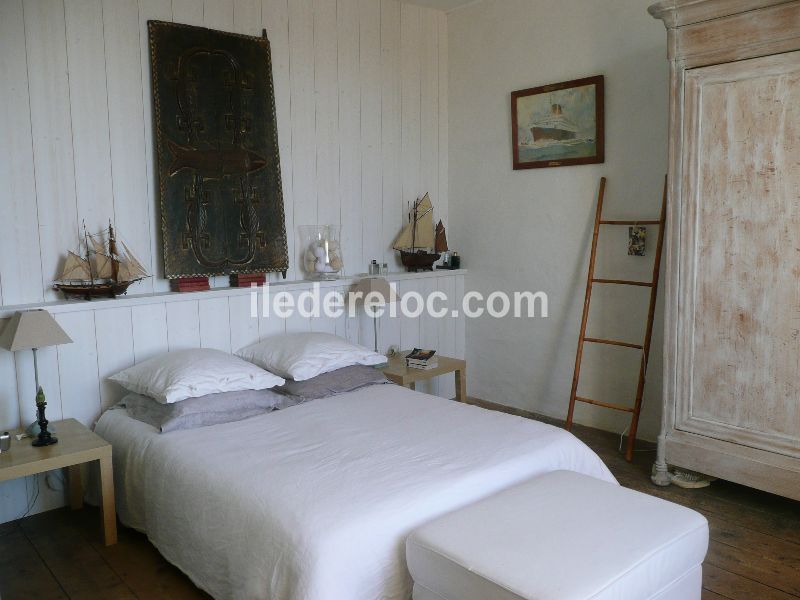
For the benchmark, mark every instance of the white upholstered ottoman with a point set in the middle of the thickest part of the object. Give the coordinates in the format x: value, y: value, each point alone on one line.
x: 561, y: 536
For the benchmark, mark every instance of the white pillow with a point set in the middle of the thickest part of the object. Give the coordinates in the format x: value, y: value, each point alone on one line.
x: 301, y: 356
x: 176, y: 376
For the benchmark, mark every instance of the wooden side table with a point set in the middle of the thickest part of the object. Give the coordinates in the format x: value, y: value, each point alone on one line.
x: 76, y: 445
x: 397, y: 372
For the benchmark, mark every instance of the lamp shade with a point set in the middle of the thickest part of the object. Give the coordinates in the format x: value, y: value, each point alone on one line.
x: 382, y: 292
x: 32, y: 329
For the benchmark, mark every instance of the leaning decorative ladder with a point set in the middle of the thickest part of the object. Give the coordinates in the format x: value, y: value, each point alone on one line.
x: 645, y: 346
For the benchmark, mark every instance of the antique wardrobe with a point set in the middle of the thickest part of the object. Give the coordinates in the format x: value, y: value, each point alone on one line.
x: 732, y: 310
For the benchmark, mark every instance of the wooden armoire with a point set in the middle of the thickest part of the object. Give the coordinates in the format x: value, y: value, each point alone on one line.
x: 732, y: 310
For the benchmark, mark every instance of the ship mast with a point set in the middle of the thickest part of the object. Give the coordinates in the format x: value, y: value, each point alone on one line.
x: 112, y: 251
x: 414, y: 226
x: 88, y: 258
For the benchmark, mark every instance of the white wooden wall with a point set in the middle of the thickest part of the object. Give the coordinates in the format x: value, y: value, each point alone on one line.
x: 361, y: 98
x: 110, y: 335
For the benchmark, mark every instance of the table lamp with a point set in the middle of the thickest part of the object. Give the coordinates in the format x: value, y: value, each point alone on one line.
x: 382, y: 293
x: 31, y: 330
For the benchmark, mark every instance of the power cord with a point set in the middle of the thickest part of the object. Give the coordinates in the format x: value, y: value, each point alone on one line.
x: 622, y: 435
x: 31, y: 503
x: 55, y: 480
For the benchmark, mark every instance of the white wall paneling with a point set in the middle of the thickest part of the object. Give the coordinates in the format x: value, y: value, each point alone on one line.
x: 360, y: 89
x: 13, y: 499
x: 275, y: 19
x: 218, y: 14
x: 268, y: 323
x: 410, y: 106
x: 326, y: 111
x: 391, y: 120
x: 88, y: 93
x: 349, y: 130
x: 215, y: 326
x: 51, y: 133
x: 429, y: 110
x: 303, y: 116
x: 443, y: 199
x: 447, y: 331
x: 128, y: 143
x: 188, y: 11
x: 110, y: 335
x: 160, y: 11
x: 370, y: 81
x: 428, y: 333
x: 243, y: 328
x: 115, y: 350
x: 78, y: 377
x: 149, y: 322
x: 247, y: 16
x: 183, y: 325
x: 20, y: 271
x: 9, y: 410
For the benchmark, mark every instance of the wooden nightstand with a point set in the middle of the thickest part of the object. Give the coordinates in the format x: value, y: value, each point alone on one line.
x: 76, y: 445
x: 399, y: 373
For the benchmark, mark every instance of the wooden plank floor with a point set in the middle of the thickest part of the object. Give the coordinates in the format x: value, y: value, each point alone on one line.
x: 754, y: 553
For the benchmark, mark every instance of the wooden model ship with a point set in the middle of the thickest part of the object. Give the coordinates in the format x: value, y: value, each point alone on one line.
x: 418, y: 245
x: 99, y: 268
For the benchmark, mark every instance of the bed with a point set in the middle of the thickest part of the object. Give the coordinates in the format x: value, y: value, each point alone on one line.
x: 314, y: 502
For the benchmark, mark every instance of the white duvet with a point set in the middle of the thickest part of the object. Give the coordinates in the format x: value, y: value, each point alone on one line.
x: 315, y: 501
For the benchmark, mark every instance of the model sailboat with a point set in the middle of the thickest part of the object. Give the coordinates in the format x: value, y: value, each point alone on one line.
x: 99, y: 268
x: 418, y: 245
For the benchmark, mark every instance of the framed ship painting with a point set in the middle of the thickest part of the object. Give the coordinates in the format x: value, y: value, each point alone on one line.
x: 559, y: 124
x: 217, y: 145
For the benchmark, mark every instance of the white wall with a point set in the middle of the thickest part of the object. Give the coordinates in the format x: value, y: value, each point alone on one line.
x: 531, y: 229
x: 361, y: 96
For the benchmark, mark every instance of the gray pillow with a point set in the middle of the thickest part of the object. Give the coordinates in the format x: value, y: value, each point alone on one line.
x: 211, y: 409
x: 346, y: 379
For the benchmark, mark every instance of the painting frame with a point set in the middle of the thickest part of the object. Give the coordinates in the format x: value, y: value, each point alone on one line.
x: 598, y: 156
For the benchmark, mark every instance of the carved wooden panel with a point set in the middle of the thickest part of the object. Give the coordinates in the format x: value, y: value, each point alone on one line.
x: 739, y: 267
x: 218, y: 164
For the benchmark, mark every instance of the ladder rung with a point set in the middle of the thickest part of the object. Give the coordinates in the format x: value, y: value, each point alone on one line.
x: 605, y: 404
x: 630, y: 222
x: 624, y: 282
x: 613, y: 343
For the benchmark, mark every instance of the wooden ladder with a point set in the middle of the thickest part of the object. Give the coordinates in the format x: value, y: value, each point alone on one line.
x: 645, y: 346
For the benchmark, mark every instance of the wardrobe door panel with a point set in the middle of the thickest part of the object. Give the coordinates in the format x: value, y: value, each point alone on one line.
x: 738, y: 375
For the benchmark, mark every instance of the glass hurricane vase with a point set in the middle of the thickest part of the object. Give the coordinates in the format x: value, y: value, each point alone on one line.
x: 322, y: 252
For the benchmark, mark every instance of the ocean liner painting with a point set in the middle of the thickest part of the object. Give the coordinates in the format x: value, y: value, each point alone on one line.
x: 554, y: 127
x: 559, y: 124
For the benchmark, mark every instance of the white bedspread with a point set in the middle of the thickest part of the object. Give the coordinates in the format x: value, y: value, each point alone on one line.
x: 315, y: 501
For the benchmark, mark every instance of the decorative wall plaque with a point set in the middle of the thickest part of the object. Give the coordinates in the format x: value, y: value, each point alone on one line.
x: 217, y: 145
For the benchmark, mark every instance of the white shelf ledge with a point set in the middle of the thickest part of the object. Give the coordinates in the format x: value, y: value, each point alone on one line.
x: 64, y: 306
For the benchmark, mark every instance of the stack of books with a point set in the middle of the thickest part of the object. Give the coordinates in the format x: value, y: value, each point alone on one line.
x: 189, y: 284
x: 247, y: 279
x: 421, y: 359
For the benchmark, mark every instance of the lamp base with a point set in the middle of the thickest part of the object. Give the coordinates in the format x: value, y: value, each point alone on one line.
x: 33, y: 429
x: 47, y: 440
